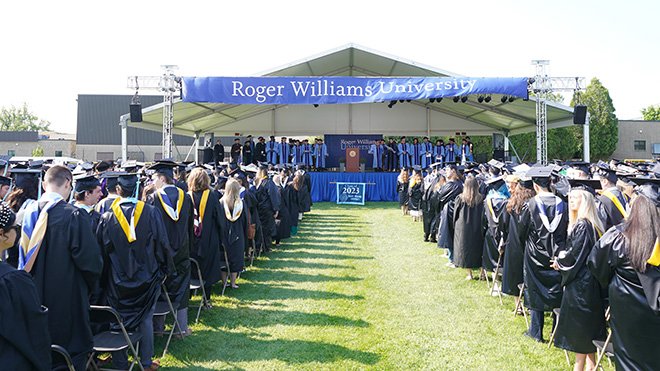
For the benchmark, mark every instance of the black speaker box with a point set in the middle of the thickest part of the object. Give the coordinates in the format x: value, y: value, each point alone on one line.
x: 580, y: 115
x: 136, y: 112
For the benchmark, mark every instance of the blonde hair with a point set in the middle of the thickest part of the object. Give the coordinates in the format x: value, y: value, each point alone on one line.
x: 586, y: 210
x: 403, y: 176
x: 471, y: 195
x: 232, y: 192
x: 198, y: 180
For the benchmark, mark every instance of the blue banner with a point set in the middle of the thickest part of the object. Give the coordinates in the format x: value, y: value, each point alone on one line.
x: 337, y: 144
x: 350, y: 193
x: 342, y: 89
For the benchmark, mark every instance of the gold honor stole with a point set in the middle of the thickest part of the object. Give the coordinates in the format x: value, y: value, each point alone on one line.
x: 202, y: 203
x: 129, y: 229
x: 655, y: 255
x: 616, y: 203
x: 173, y: 214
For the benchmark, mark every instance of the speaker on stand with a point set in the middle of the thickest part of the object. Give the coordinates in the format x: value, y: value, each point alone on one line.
x: 580, y: 115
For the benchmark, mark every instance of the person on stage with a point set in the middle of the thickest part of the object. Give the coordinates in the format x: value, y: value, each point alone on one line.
x: 376, y: 150
x: 613, y: 202
x: 206, y: 228
x: 468, y: 227
x: 466, y: 151
x: 404, y: 149
x: 582, y: 317
x: 218, y: 152
x: 306, y: 152
x: 544, y: 228
x: 248, y: 151
x: 137, y: 256
x: 415, y: 153
x: 58, y: 249
x: 236, y: 151
x: 320, y: 153
x: 426, y: 153
x: 626, y: 261
x: 439, y: 152
x: 283, y: 152
x: 391, y: 156
x: 24, y: 336
x: 469, y: 149
x: 260, y: 151
x: 272, y: 148
x: 176, y: 211
x: 296, y: 153
x: 451, y: 152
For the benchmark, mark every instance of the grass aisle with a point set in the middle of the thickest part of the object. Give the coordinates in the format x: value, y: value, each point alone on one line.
x: 358, y: 289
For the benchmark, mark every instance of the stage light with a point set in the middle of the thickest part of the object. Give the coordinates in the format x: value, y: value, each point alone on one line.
x: 438, y: 100
x: 456, y: 99
x: 408, y: 100
x: 392, y: 103
x: 503, y: 99
x: 464, y: 99
x: 487, y: 99
x: 511, y: 99
x: 480, y: 99
x: 432, y: 100
x: 315, y: 105
x: 401, y: 100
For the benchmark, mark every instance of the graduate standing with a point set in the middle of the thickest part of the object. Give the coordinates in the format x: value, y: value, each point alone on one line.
x: 233, y: 222
x: 626, y: 260
x: 137, y: 257
x: 447, y: 195
x: 544, y: 227
x: 87, y: 193
x: 236, y: 151
x: 468, y: 227
x: 613, y: 202
x: 24, y: 337
x: 495, y: 206
x: 402, y: 183
x: 111, y: 189
x: 268, y: 204
x: 218, y: 152
x: 176, y: 211
x: 415, y: 192
x: 58, y: 249
x: 248, y: 152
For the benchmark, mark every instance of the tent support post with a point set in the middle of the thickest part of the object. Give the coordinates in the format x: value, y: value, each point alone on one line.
x: 507, y: 143
x: 272, y: 121
x: 350, y: 119
x: 428, y: 122
x: 507, y: 157
x: 586, y: 139
x: 124, y: 138
x: 197, y: 147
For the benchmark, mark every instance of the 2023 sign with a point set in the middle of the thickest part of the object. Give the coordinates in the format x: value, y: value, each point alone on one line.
x: 350, y: 193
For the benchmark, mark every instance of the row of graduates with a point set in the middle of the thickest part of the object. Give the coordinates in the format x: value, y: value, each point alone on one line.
x: 118, y: 252
x: 291, y: 151
x: 404, y: 155
x: 565, y: 242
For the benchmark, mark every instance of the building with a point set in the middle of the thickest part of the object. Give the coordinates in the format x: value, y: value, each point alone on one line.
x: 99, y: 134
x: 638, y: 139
x: 22, y: 143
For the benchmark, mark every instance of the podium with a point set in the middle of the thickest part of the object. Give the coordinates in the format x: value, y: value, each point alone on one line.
x: 352, y: 160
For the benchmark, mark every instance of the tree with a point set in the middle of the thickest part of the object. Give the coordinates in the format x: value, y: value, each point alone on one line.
x: 603, y: 124
x: 38, y: 151
x: 21, y: 119
x: 651, y: 113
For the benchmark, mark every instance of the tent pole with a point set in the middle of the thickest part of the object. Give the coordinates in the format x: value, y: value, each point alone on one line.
x: 428, y: 122
x: 586, y: 139
x: 507, y: 142
x: 272, y: 122
x: 124, y: 137
x: 350, y: 119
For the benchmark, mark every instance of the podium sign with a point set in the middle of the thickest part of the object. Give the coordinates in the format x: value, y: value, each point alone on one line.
x: 350, y: 193
x: 352, y: 160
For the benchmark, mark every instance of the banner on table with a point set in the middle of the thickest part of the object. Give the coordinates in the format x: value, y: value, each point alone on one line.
x: 350, y: 193
x: 342, y: 89
x: 337, y: 144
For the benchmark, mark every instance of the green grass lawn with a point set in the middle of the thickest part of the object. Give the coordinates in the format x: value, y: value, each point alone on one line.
x: 358, y: 289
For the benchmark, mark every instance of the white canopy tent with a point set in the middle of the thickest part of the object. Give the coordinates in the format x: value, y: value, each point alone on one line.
x: 415, y: 118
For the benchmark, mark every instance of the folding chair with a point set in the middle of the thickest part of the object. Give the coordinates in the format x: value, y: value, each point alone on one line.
x: 60, y: 354
x: 163, y: 308
x: 520, y: 304
x: 224, y: 282
x: 112, y: 340
x: 495, y: 288
x: 556, y: 312
x: 604, y: 348
x: 196, y: 284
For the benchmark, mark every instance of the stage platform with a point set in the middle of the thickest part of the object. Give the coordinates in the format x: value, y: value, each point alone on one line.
x: 380, y: 186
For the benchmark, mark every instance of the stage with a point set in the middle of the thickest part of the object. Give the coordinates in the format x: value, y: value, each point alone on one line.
x: 379, y: 186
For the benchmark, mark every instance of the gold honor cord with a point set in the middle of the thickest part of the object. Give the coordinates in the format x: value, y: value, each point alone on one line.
x: 616, y: 203
x: 137, y: 212
x: 179, y: 204
x: 654, y: 260
x: 202, y: 203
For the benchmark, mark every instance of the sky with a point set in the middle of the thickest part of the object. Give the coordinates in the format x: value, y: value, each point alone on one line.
x: 54, y: 51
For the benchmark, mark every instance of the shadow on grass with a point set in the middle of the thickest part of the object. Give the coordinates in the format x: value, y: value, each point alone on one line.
x: 258, y: 291
x: 266, y: 275
x: 293, y: 254
x: 221, y: 346
x: 317, y: 246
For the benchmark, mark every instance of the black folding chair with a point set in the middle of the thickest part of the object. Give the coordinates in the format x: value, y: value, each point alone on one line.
x: 112, y: 340
x: 224, y: 282
x: 60, y: 355
x: 196, y: 284
x: 520, y: 303
x: 163, y: 308
x: 604, y: 348
x: 557, y: 312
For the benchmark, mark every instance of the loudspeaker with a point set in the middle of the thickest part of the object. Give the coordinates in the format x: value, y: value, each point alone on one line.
x: 136, y: 112
x: 580, y: 115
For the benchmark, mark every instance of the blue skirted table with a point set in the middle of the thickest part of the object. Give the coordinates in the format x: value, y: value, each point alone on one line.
x: 324, y: 187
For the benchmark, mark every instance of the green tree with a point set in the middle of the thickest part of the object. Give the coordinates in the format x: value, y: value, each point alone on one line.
x: 38, y: 151
x: 21, y: 119
x: 603, y: 123
x: 651, y: 113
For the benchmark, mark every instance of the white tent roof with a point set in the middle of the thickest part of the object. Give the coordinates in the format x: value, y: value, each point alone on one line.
x: 414, y: 118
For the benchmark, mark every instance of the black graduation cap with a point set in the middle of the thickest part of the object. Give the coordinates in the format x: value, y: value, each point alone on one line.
x: 5, y: 181
x: 650, y: 190
x: 24, y: 176
x: 496, y: 164
x: 589, y: 185
x: 85, y: 183
x: 127, y: 180
x: 625, y: 179
x: 582, y: 166
x: 103, y: 166
x: 526, y: 182
x: 644, y: 180
x: 495, y: 183
x: 165, y: 167
x: 540, y: 175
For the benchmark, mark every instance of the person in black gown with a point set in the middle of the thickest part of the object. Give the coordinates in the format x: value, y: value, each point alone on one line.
x: 206, y: 219
x: 268, y: 204
x: 447, y: 195
x: 582, y: 317
x: 495, y: 207
x: 176, y: 211
x: 136, y: 257
x: 428, y: 213
x: 283, y: 220
x: 24, y: 336
x: 68, y: 256
x: 613, y: 202
x: 468, y: 227
x: 87, y: 193
x: 415, y: 194
x: 218, y: 153
x: 626, y: 260
x: 233, y: 221
x: 402, y: 183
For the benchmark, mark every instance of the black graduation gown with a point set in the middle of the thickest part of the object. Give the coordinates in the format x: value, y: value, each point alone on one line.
x: 543, y: 283
x: 247, y: 155
x: 428, y: 213
x: 492, y: 218
x: 260, y: 149
x: 283, y: 220
x: 447, y: 194
x: 402, y: 190
x: 306, y: 194
x: 415, y: 197
x: 268, y: 203
x: 468, y: 234
x: 514, y: 251
x: 233, y: 238
x: 634, y: 321
x: 67, y: 268
x: 609, y: 213
x: 24, y: 337
x: 180, y: 235
x: 293, y: 202
x: 250, y: 201
x: 206, y: 248
x: 181, y: 184
x: 434, y: 206
x: 582, y: 316
x: 133, y: 271
x: 218, y: 153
